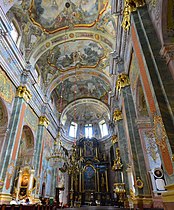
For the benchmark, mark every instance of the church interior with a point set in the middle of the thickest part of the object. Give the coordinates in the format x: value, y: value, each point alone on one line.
x: 87, y: 103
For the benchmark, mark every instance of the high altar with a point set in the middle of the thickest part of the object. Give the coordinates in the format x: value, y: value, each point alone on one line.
x: 89, y: 182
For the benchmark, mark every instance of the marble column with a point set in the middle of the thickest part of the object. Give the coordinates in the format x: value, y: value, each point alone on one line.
x: 8, y: 164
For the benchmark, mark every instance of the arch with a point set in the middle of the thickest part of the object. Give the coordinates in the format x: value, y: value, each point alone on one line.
x: 26, y: 148
x: 58, y: 79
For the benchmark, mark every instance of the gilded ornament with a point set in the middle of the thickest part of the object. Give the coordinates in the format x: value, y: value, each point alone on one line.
x: 114, y: 139
x: 132, y: 194
x: 139, y: 183
x: 159, y: 132
x: 43, y: 121
x: 117, y: 115
x: 117, y: 162
x: 1, y: 184
x: 122, y: 81
x: 119, y: 188
x: 97, y: 36
x: 71, y: 35
x: 23, y: 92
x: 130, y: 6
x: 48, y: 44
x: 153, y: 2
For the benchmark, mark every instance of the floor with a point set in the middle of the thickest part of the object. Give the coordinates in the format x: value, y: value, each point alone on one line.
x: 96, y: 208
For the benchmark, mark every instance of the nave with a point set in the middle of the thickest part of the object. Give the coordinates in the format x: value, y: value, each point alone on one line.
x: 86, y: 104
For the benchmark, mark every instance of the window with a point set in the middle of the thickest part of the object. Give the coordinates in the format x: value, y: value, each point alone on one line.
x: 103, y: 128
x: 64, y: 119
x: 15, y: 33
x: 73, y: 130
x: 88, y: 130
x: 38, y: 74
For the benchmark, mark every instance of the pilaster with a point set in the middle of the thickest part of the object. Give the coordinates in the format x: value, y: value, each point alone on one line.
x: 156, y: 84
x: 122, y: 143
x: 43, y: 124
x: 136, y: 158
x: 134, y: 138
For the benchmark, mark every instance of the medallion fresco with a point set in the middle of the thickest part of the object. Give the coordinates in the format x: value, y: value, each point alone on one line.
x: 81, y: 86
x: 54, y: 15
x: 81, y: 53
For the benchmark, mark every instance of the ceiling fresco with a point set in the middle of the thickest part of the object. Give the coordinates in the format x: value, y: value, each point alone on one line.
x: 79, y: 53
x: 90, y: 110
x: 82, y: 86
x: 56, y: 15
x: 68, y: 43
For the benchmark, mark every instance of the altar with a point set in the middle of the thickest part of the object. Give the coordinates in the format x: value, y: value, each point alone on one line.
x: 90, y: 183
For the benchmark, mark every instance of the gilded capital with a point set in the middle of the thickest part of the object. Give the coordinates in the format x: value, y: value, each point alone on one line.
x: 43, y: 121
x: 117, y: 115
x: 23, y: 92
x: 122, y: 81
x: 130, y: 6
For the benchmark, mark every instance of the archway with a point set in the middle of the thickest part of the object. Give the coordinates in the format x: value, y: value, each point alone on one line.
x: 26, y: 148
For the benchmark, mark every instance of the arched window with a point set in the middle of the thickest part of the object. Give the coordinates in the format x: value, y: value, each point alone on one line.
x: 38, y: 74
x: 88, y: 130
x: 73, y: 130
x: 15, y: 33
x: 103, y: 128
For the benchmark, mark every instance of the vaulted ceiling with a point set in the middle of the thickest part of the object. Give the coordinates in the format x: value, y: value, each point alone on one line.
x: 69, y: 43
